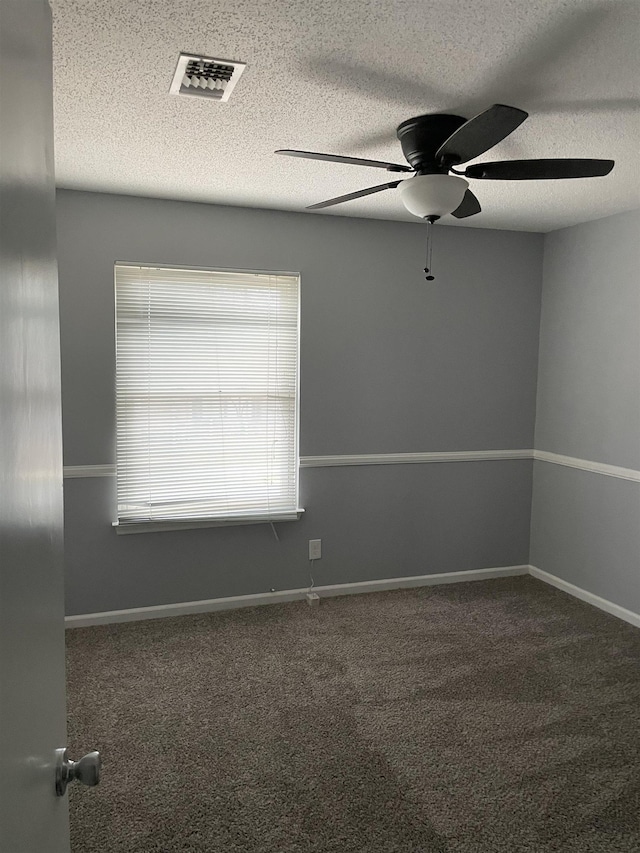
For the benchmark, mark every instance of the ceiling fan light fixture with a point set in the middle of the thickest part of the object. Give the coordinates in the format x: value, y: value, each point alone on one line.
x: 432, y: 195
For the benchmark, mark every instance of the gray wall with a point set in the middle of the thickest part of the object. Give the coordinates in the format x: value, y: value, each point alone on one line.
x: 389, y: 364
x: 586, y: 526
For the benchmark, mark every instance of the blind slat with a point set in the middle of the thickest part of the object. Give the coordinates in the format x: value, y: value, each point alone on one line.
x: 206, y: 394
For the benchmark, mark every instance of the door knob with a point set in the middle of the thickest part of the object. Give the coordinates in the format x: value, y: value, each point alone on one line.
x: 87, y: 770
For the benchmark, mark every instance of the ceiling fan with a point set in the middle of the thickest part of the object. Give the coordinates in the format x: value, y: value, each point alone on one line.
x: 435, y: 144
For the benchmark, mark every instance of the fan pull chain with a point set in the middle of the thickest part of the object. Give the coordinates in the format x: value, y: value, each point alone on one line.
x: 427, y: 268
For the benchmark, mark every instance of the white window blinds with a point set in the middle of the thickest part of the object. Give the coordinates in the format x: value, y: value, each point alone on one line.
x: 206, y: 388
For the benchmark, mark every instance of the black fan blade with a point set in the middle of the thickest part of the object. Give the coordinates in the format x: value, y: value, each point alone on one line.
x: 535, y: 170
x: 353, y: 161
x: 351, y: 196
x: 480, y: 133
x: 469, y: 206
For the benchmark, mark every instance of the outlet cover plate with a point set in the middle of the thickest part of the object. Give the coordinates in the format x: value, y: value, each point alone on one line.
x: 315, y: 549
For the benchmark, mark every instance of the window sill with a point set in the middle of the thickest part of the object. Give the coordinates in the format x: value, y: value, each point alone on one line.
x: 126, y: 528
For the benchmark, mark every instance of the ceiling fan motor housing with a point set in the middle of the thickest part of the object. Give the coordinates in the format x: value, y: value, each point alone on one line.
x: 420, y: 138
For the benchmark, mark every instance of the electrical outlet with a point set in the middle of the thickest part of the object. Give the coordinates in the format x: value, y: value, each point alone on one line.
x: 315, y: 549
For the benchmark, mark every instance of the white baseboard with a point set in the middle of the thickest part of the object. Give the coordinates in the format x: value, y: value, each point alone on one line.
x: 237, y: 601
x: 233, y: 602
x: 589, y: 597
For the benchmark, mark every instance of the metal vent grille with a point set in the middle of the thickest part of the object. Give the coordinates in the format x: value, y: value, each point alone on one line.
x: 204, y: 77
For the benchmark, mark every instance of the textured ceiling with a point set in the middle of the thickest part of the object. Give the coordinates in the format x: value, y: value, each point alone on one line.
x: 339, y: 76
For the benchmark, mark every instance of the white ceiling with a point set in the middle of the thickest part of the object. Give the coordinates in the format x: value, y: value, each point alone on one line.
x: 339, y: 76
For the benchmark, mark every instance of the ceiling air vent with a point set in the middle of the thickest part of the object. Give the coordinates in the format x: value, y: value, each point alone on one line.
x: 205, y: 77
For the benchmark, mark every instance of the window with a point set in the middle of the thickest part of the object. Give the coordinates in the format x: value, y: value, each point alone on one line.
x: 206, y: 396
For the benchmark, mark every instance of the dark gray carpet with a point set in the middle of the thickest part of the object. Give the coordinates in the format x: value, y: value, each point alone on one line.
x: 482, y: 717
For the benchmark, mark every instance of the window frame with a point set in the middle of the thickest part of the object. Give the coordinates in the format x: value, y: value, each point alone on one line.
x: 148, y: 526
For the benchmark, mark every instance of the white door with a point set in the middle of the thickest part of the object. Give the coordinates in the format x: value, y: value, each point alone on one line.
x: 32, y: 699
